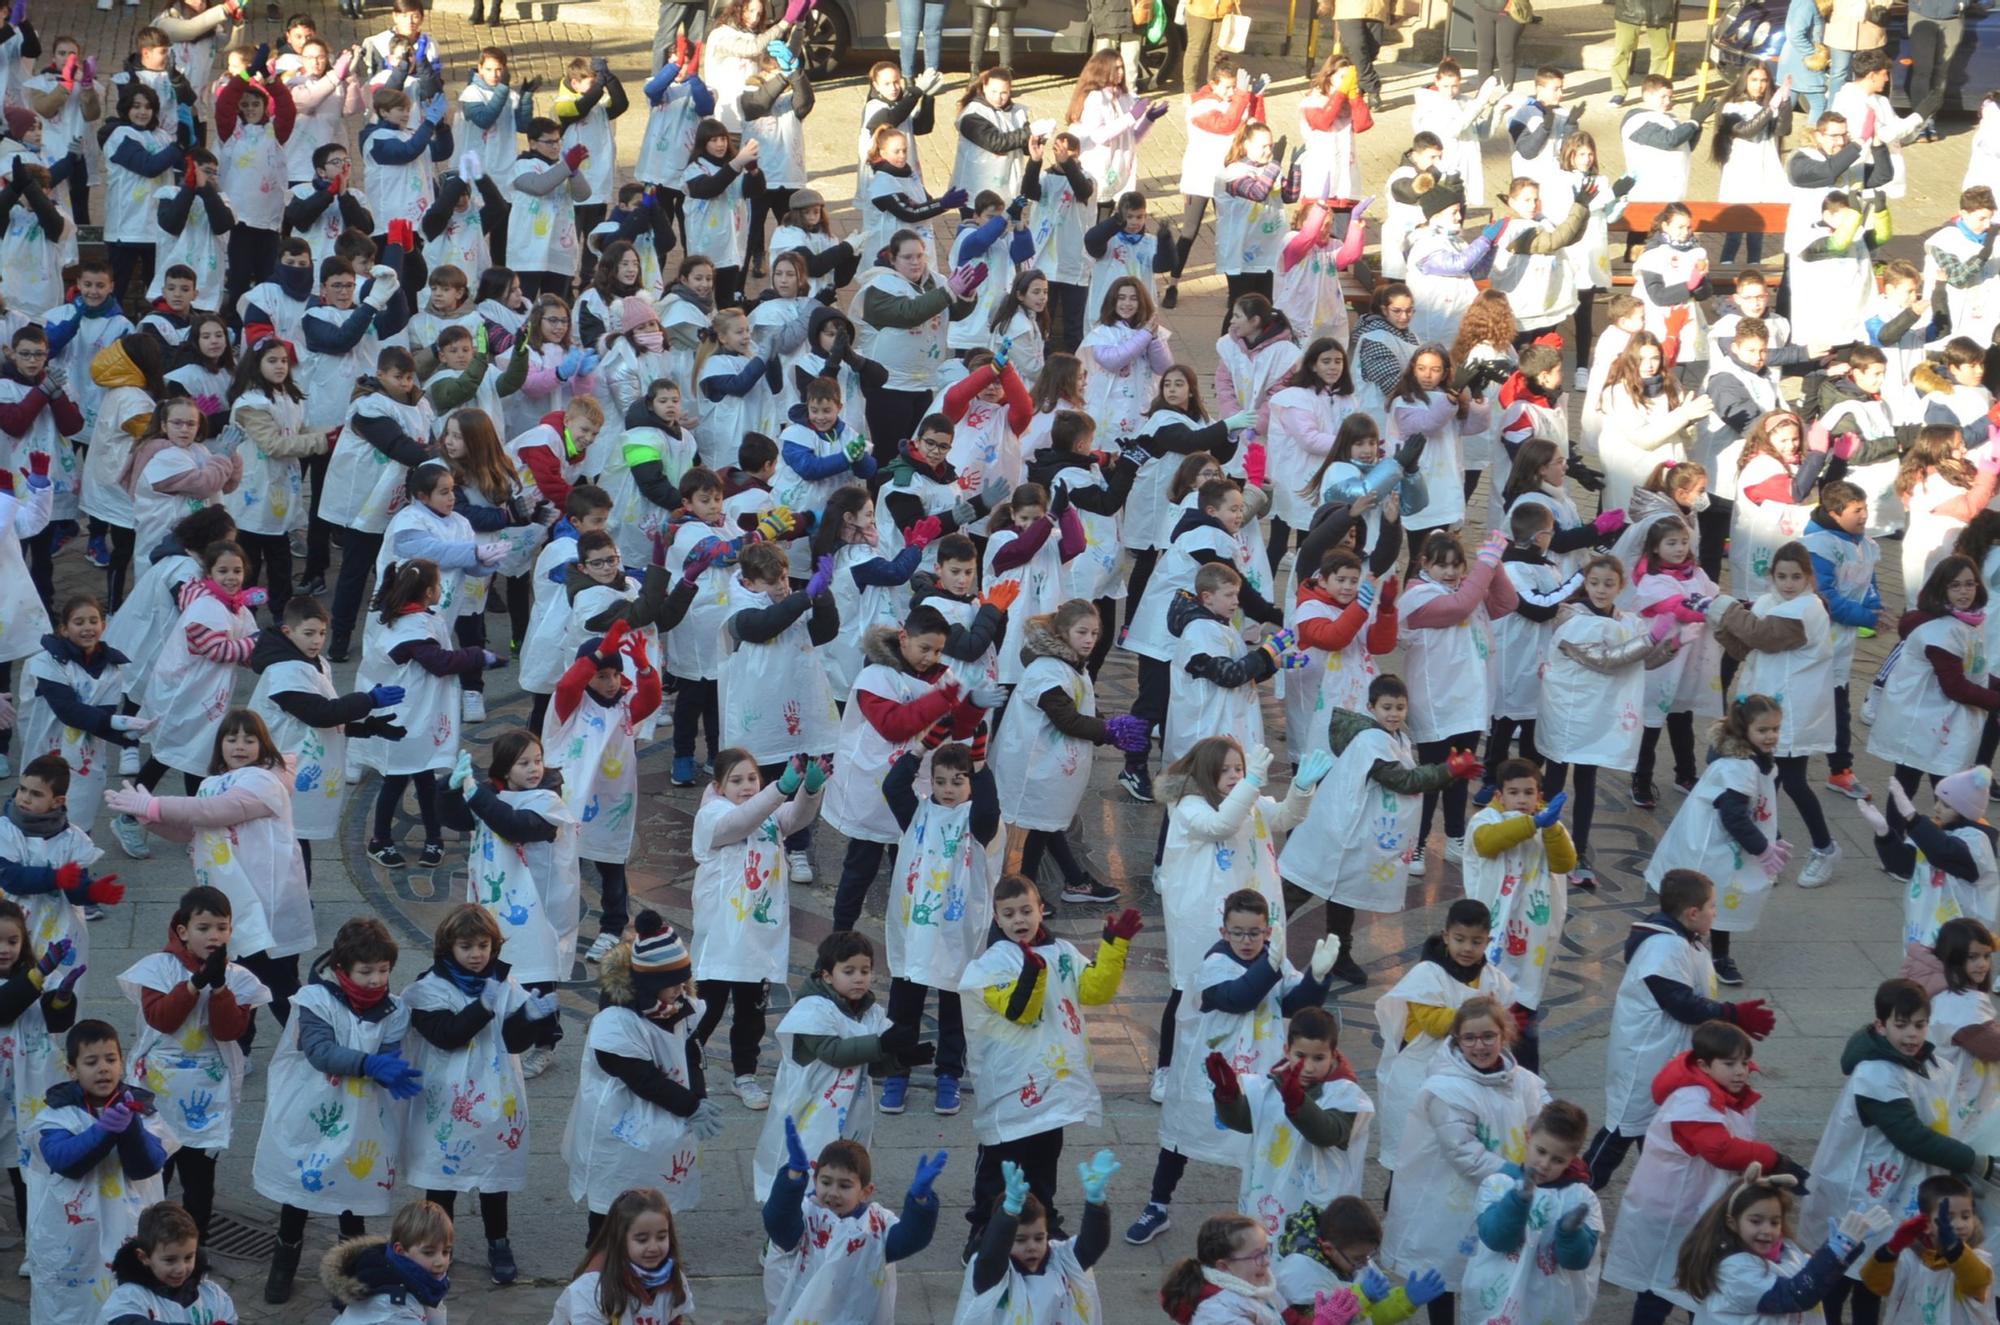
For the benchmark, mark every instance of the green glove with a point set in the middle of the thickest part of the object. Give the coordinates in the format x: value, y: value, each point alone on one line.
x: 817, y: 772
x: 788, y: 781
x: 857, y: 446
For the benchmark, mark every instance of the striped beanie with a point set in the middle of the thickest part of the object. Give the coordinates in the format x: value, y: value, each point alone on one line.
x: 657, y: 948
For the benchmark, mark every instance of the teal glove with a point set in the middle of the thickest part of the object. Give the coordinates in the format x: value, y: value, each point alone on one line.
x: 461, y: 778
x: 1017, y: 1187
x: 1241, y: 419
x: 817, y: 772
x: 1312, y: 770
x: 1095, y: 1175
x: 788, y: 781
x: 1001, y: 352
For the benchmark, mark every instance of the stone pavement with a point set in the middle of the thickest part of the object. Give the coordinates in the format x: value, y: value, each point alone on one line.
x: 1816, y: 957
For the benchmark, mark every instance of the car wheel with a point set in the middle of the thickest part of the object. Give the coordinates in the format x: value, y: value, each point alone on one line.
x: 826, y: 40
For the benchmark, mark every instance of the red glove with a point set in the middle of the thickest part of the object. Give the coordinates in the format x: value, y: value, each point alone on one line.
x: 68, y: 876
x: 338, y: 182
x: 7, y: 481
x: 1292, y: 1086
x: 1124, y: 925
x: 1385, y: 594
x: 192, y: 175
x: 69, y: 73
x: 234, y: 10
x: 1993, y: 414
x: 1756, y: 1020
x: 1222, y: 1077
x: 105, y: 890
x: 925, y: 532
x: 1523, y: 1017
x: 38, y: 463
x: 635, y: 649
x: 613, y: 639
x: 1001, y: 595
x: 403, y: 235
x: 1463, y: 765
x: 1908, y: 1233
x: 1031, y: 961
x: 574, y: 157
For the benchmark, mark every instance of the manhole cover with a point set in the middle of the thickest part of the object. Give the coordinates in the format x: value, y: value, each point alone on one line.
x: 239, y: 1241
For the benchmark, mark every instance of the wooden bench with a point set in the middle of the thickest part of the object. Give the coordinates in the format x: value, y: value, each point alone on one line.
x: 1710, y: 218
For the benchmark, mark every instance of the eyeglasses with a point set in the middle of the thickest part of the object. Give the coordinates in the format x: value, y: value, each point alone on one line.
x: 1244, y: 935
x: 1479, y: 1037
x: 1254, y: 1258
x: 601, y: 563
x: 548, y: 142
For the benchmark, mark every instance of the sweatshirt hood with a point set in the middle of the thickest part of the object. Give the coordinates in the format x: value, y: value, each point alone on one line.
x: 1345, y: 725
x: 1183, y: 611
x: 1920, y: 963
x: 1039, y: 641
x: 1681, y: 1071
x: 1868, y: 1046
x: 95, y: 662
x: 273, y: 647
x: 1653, y: 926
x: 113, y: 366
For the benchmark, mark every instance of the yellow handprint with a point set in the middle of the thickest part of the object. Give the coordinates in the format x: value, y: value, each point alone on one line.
x: 362, y: 1162
x: 218, y: 851
x: 1940, y: 1116
x: 1058, y: 1060
x: 1280, y: 1149
x: 156, y: 1080
x: 613, y: 765
x: 194, y: 1038
x: 109, y: 1187
x: 508, y: 1105
x: 354, y: 1085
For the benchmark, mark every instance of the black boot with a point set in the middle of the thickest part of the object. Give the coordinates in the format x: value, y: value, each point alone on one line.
x: 478, y: 12
x: 284, y: 1265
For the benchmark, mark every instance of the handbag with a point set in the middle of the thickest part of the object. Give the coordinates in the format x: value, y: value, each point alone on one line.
x: 1521, y: 11
x: 1232, y: 33
x: 1142, y: 13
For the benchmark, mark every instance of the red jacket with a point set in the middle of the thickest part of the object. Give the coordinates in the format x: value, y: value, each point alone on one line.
x: 1711, y: 1142
x: 1339, y: 632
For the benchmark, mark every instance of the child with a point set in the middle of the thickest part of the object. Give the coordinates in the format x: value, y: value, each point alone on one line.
x: 741, y: 947
x: 162, y: 1272
x: 1332, y: 1251
x: 1245, y: 986
x: 1540, y: 127
x: 196, y: 1006
x: 1666, y: 990
x: 79, y: 685
x: 1020, y: 1268
x: 469, y: 1018
x: 1415, y: 1015
x: 1668, y: 583
x: 403, y: 1276
x: 1703, y: 1135
x: 1519, y: 866
x: 170, y: 472
x: 633, y: 1269
x: 34, y: 1007
x: 96, y: 1154
x: 1350, y: 859
x: 1957, y: 972
x: 339, y: 1061
x: 832, y: 1248
x: 1948, y: 858
x: 642, y: 1076
x: 1844, y: 558
x: 1227, y: 1279
x: 1932, y: 1266
x: 1539, y: 1225
x: 1212, y: 687
x: 829, y: 1043
x: 1024, y: 1023
x: 1937, y: 691
x: 1343, y: 622
x: 1740, y: 1260
x: 1307, y: 1120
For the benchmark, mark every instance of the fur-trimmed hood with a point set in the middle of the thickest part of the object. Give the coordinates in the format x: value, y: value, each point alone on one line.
x: 1726, y: 746
x: 358, y: 1268
x: 614, y: 977
x: 1038, y: 641
x: 879, y: 645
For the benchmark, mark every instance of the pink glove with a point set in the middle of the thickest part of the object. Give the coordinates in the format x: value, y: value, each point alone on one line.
x: 1989, y: 459
x: 1697, y: 276
x: 1491, y: 550
x: 342, y: 65
x: 90, y: 71
x: 1664, y: 627
x: 1845, y: 445
x: 1610, y: 522
x: 1817, y: 437
x: 1336, y: 1308
x: 966, y: 280
x: 1775, y: 857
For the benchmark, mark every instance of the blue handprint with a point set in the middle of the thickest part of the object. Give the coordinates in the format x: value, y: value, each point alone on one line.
x: 1225, y: 858
x: 455, y: 1156
x: 954, y: 902
x: 308, y: 778
x: 590, y: 810
x: 312, y: 1172
x: 198, y: 1110
x: 626, y: 1129
x: 515, y: 914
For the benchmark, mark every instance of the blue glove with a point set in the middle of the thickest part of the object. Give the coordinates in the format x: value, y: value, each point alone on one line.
x: 1492, y: 231
x: 1374, y: 1285
x: 1017, y: 1187
x: 591, y: 358
x: 383, y: 697
x: 435, y: 108
x: 39, y: 482
x: 541, y: 1006
x: 1095, y: 1175
x: 795, y: 1149
x: 1552, y: 811
x: 492, y: 659
x: 1312, y: 769
x: 1365, y: 595
x: 1001, y: 351
x: 1424, y: 1288
x: 394, y: 1074
x: 928, y: 1168
x: 570, y: 363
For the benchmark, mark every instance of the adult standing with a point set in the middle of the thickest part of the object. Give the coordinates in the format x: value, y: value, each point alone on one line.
x: 1936, y: 29
x: 1198, y: 55
x: 1849, y: 31
x: 1805, y: 56
x: 996, y: 17
x: 927, y: 16
x: 1362, y: 25
x: 1633, y: 19
x: 1496, y: 33
x: 1114, y: 26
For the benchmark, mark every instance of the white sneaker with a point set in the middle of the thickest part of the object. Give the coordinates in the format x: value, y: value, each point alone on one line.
x: 1819, y: 869
x: 800, y: 866
x: 1454, y: 849
x: 129, y: 762
x: 131, y: 835
x: 600, y: 948
x: 1158, y: 1094
x: 537, y: 1061
x: 475, y: 706
x: 1581, y: 380
x: 754, y: 1096
x: 1416, y: 866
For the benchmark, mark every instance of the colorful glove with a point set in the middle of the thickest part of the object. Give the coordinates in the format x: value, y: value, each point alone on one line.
x: 1610, y: 522
x: 1094, y: 1175
x: 1491, y: 231
x: 1279, y: 643
x: 822, y: 576
x: 795, y: 1148
x: 1492, y: 549
x: 53, y: 956
x: 1364, y: 597
x: 591, y: 358
x: 1463, y: 765
x: 1157, y: 109
x: 1240, y: 420
x: 1017, y: 1187
x: 857, y: 446
x: 461, y: 778
x: 1336, y: 1308
x: 1222, y: 1078
x: 69, y: 73
x: 66, y: 988
x: 393, y: 1073
x: 1124, y: 924
x: 104, y: 890
x: 1129, y: 732
x: 573, y: 158
x: 435, y: 109
x: 1547, y: 816
x: 1312, y: 769
x: 1000, y: 353
x: 1002, y: 595
x: 928, y: 1168
x: 570, y: 364
x: 925, y: 532
x: 1911, y: 1231
x: 1257, y: 765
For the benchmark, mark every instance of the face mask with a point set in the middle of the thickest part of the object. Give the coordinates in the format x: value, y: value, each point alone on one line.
x: 650, y: 339
x: 296, y: 282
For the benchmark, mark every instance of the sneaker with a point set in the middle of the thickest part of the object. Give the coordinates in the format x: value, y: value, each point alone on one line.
x: 1152, y: 1221
x: 1348, y: 971
x: 98, y: 551
x: 386, y: 855
x: 336, y: 652
x: 600, y: 948
x: 1138, y: 784
x: 474, y: 709
x: 1089, y: 890
x: 92, y: 911
x: 1417, y: 860
x: 1618, y: 99
x: 754, y: 1097
x: 1645, y: 796
x: 431, y: 856
x: 500, y: 1260
x: 683, y: 772
x: 1847, y: 785
x: 947, y: 1102
x: 1170, y: 298
x: 1484, y: 796
x: 131, y: 835
x: 537, y: 1061
x: 1583, y: 877
x: 1684, y: 785
x: 1864, y: 632
x: 1726, y: 972
x: 1819, y: 869
x: 1454, y: 850
x: 1157, y: 1093
x: 129, y: 762
x: 799, y: 864
x: 895, y: 1094
x: 1580, y: 381
x: 310, y: 586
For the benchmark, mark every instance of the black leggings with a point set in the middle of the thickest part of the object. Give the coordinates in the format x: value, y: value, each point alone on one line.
x: 1434, y: 752
x: 1192, y: 210
x: 763, y: 203
x: 746, y: 1032
x: 153, y: 770
x: 1586, y: 331
x: 1107, y: 635
x: 292, y: 1225
x: 1867, y: 1308
x: 1502, y: 736
x: 120, y: 569
x: 270, y: 558
x: 391, y: 796
x: 128, y: 260
x: 1583, y: 805
x: 1910, y: 779
x: 695, y: 705
x: 1279, y: 538
x: 492, y: 1210
x: 1792, y: 776
x: 1680, y: 737
x: 280, y: 975
x: 893, y: 417
x: 1169, y: 1013
x: 197, y: 1174
x: 1056, y: 845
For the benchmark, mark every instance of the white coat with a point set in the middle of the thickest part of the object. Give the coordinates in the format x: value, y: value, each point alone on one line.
x: 195, y: 1078
x: 331, y: 1144
x: 532, y: 888
x: 1801, y: 679
x: 1212, y: 851
x: 1643, y: 1037
x: 1697, y: 840
x: 1050, y: 1058
x: 1931, y: 731
x: 827, y: 1103
x: 1405, y: 1062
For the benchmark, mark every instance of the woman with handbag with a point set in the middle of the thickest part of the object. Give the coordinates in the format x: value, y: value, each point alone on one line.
x: 1118, y: 25
x: 1204, y: 28
x: 1805, y: 57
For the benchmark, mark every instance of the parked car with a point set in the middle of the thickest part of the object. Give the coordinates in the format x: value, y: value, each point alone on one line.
x: 1750, y: 30
x: 837, y: 30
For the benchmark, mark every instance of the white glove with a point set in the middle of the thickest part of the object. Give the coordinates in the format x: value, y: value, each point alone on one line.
x: 471, y: 168
x: 383, y: 286
x: 541, y: 1006
x: 491, y: 554
x: 1901, y: 800
x: 706, y: 1121
x: 1872, y: 817
x: 132, y: 722
x: 1860, y: 1225
x: 1041, y: 128
x: 929, y: 81
x: 1325, y: 953
x: 1257, y: 765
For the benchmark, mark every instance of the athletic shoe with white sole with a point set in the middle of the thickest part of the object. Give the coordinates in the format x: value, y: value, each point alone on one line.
x: 1158, y: 1092
x: 129, y: 762
x: 895, y: 1095
x: 475, y: 706
x: 537, y: 1061
x: 1417, y: 861
x: 1454, y: 850
x: 1819, y: 869
x: 131, y: 835
x: 754, y: 1096
x: 1152, y: 1221
x: 601, y: 947
x: 799, y: 864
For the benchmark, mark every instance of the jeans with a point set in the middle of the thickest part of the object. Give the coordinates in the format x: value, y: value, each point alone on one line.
x: 1933, y: 44
x: 857, y: 875
x: 1494, y: 35
x: 906, y: 1008
x: 1001, y: 23
x: 1750, y: 242
x: 910, y: 14
x: 1196, y: 57
x: 1839, y: 68
x: 1659, y: 53
x: 615, y: 897
x: 1361, y: 39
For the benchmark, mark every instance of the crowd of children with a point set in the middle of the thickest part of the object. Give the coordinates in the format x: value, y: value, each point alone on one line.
x: 864, y: 500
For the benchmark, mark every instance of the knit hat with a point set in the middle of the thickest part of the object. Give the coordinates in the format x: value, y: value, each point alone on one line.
x: 635, y: 310
x: 1966, y: 793
x: 1545, y: 353
x: 1435, y: 196
x: 20, y: 122
x: 658, y: 950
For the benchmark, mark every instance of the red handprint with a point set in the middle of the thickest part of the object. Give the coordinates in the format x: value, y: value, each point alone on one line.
x: 511, y: 1138
x: 1508, y: 882
x: 1881, y: 1175
x: 73, y: 1209
x: 1517, y: 939
x: 682, y: 1166
x: 1031, y: 1094
x: 1070, y: 1019
x: 793, y: 724
x: 463, y: 1097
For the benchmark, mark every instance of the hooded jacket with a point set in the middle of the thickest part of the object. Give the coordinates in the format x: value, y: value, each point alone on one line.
x: 1247, y: 668
x: 67, y: 705
x: 898, y: 722
x: 1897, y: 1120
x: 1711, y: 1142
x: 842, y: 1050
x: 1677, y: 1000
x: 1038, y: 641
x: 356, y: 1269
x: 1346, y: 724
x: 618, y: 985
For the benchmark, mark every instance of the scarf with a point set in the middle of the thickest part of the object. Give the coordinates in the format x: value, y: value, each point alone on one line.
x: 680, y: 290
x: 46, y: 824
x: 1970, y: 618
x: 361, y: 1000
x: 653, y: 1279
x: 465, y: 982
x: 1683, y: 571
x: 296, y: 282
x: 235, y: 602
x: 424, y: 1286
x: 105, y: 309
x: 1264, y: 1294
x: 1655, y: 385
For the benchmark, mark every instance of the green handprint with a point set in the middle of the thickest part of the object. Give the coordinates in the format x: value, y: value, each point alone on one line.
x: 1538, y: 907
x: 327, y: 1118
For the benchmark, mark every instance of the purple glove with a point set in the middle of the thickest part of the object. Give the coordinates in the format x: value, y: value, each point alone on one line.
x: 1157, y: 109
x: 1610, y: 522
x: 116, y: 1118
x: 822, y: 576
x: 19, y: 13
x: 256, y: 596
x: 966, y: 280
x: 1141, y: 108
x: 954, y: 199
x: 89, y: 70
x: 1129, y: 732
x: 67, y: 985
